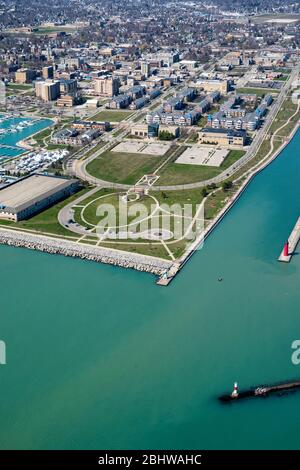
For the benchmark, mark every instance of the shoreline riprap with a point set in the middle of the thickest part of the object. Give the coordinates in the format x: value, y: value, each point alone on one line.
x: 50, y: 245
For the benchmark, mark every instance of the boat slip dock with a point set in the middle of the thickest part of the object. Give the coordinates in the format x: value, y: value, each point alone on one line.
x: 291, y: 244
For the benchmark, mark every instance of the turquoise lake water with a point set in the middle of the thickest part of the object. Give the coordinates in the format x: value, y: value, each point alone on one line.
x: 10, y: 139
x: 100, y: 357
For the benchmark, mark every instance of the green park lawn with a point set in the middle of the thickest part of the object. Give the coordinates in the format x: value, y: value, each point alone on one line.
x: 287, y: 109
x: 216, y: 201
x: 261, y: 92
x: 190, y: 196
x: 150, y: 249
x: 19, y: 86
x: 111, y: 115
x: 125, y: 168
x: 40, y: 136
x: 89, y: 213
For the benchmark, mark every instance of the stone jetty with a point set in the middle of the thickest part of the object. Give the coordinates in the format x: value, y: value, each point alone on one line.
x: 51, y: 245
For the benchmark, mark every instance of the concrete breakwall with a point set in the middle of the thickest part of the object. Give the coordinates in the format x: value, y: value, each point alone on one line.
x: 76, y: 250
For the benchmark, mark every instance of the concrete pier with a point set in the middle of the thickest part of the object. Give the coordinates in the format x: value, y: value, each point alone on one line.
x: 168, y: 275
x: 292, y: 244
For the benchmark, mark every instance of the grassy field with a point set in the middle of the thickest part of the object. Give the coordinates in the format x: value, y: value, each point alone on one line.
x: 93, y: 150
x: 39, y: 138
x: 261, y: 92
x: 202, y: 121
x: 150, y: 249
x: 283, y: 78
x: 57, y: 146
x: 56, y: 29
x: 215, y: 202
x: 90, y: 212
x: 117, y: 132
x: 19, y: 86
x: 111, y: 115
x: 175, y: 173
x: 139, y: 116
x: 192, y: 137
x: 125, y: 168
x: 287, y: 109
x: 191, y: 196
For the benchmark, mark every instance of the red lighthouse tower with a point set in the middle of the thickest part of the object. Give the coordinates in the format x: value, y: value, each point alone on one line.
x: 286, y: 249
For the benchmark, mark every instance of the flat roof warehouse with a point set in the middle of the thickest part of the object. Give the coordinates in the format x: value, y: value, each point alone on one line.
x: 34, y: 193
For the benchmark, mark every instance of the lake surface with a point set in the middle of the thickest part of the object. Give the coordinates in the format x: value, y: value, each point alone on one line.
x: 100, y: 357
x: 9, y: 140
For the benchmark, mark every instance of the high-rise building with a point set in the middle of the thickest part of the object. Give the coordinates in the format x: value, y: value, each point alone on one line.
x: 24, y: 75
x: 48, y: 90
x: 107, y: 86
x: 145, y: 69
x: 47, y: 72
x: 68, y: 87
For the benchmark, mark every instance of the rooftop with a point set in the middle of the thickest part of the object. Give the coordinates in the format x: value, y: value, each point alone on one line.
x: 30, y: 190
x: 229, y: 132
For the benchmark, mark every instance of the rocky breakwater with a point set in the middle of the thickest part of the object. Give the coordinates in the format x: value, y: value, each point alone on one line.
x: 46, y: 244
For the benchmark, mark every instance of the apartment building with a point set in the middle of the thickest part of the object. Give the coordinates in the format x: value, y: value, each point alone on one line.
x: 24, y: 76
x: 47, y: 72
x: 107, y: 86
x: 233, y: 116
x: 68, y: 87
x: 120, y: 102
x: 177, y: 118
x: 139, y: 103
x: 145, y: 69
x: 48, y: 90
